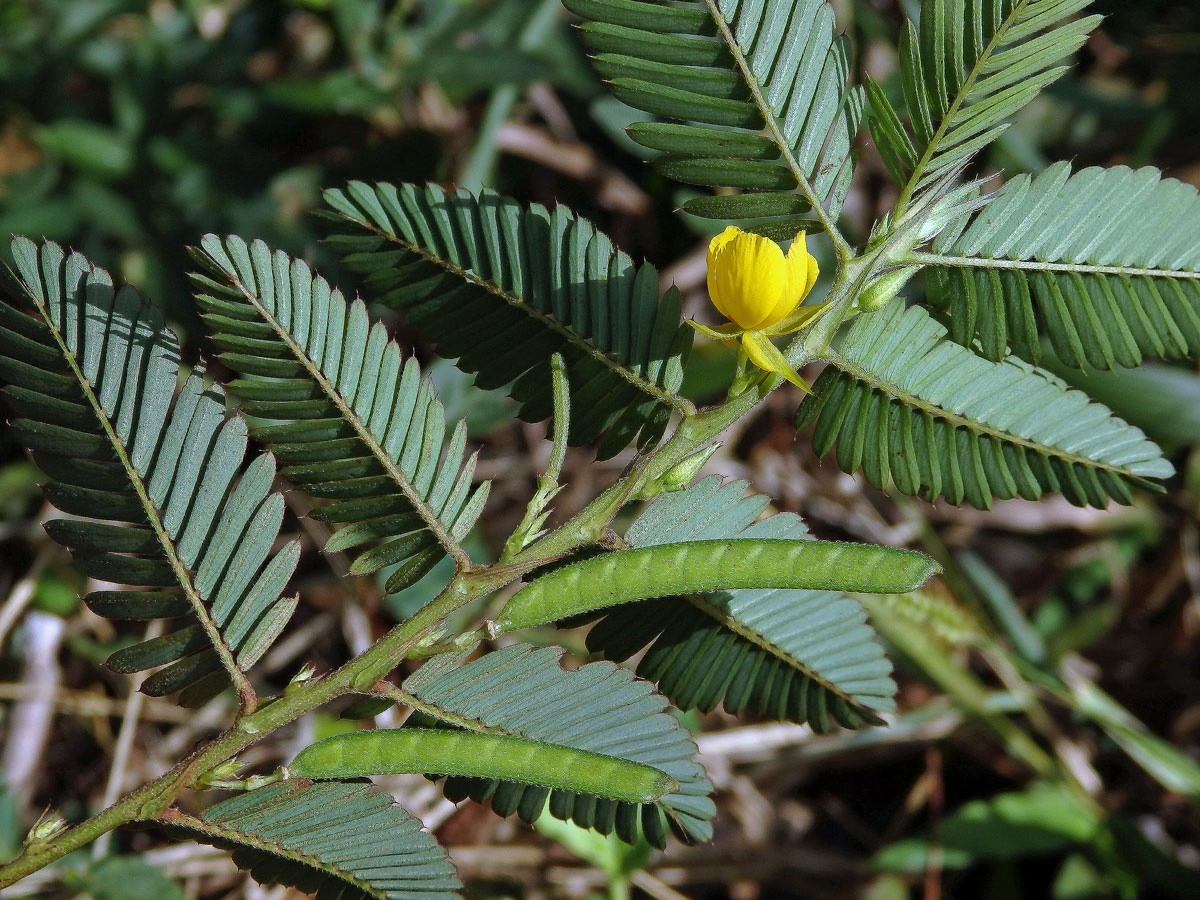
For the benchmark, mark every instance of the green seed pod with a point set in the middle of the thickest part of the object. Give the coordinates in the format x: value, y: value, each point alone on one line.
x: 704, y: 566
x: 435, y: 751
x: 885, y: 288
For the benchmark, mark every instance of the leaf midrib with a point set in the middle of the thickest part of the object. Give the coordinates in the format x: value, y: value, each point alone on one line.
x: 212, y: 631
x: 362, y: 432
x: 958, y: 420
x: 677, y: 403
x: 984, y: 262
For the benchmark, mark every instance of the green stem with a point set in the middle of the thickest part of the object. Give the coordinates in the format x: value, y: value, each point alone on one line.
x: 150, y: 801
x: 848, y: 283
x: 364, y: 672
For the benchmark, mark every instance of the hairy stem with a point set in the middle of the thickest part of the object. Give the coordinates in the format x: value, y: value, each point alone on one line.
x: 361, y: 674
x: 547, y: 483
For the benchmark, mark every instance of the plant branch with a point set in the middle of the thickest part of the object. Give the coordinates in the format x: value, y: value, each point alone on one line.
x: 363, y: 673
x: 1033, y: 265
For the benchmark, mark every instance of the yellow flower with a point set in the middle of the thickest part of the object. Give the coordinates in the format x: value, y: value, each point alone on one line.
x: 752, y: 283
x: 759, y: 289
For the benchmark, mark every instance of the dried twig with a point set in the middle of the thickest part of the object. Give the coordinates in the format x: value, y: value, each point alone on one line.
x: 22, y: 593
x: 29, y: 725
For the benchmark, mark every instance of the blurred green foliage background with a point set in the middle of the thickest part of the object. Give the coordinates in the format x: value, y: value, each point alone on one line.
x: 128, y: 128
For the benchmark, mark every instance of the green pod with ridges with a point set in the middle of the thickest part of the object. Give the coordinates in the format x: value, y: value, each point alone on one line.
x: 703, y: 566
x: 436, y: 751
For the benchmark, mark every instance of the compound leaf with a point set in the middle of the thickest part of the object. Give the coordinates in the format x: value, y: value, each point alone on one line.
x: 967, y: 67
x: 333, y: 840
x: 756, y: 96
x: 903, y: 403
x: 350, y: 418
x: 502, y: 287
x: 1104, y: 262
x: 523, y: 691
x: 152, y: 476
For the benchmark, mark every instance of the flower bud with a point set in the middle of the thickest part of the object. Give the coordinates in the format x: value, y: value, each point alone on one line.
x: 305, y: 675
x: 885, y: 288
x: 680, y: 475
x: 48, y: 827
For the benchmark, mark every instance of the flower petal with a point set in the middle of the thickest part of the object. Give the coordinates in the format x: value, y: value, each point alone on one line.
x: 766, y: 356
x: 789, y: 298
x: 801, y: 317
x: 715, y: 246
x: 802, y: 267
x: 721, y: 240
x: 751, y: 276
